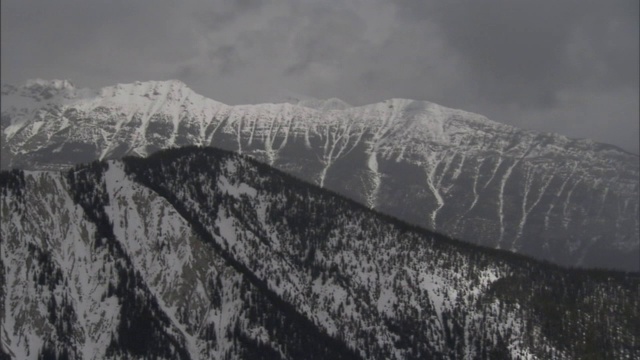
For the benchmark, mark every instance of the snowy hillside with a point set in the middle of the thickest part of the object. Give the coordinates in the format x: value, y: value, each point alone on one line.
x: 573, y: 202
x: 200, y: 253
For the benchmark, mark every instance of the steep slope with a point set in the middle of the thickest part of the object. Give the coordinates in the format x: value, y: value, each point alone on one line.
x: 68, y: 284
x: 220, y: 256
x: 119, y: 274
x: 572, y: 202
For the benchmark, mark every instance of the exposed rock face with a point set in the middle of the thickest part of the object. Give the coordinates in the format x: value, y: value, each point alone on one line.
x: 573, y: 202
x: 200, y: 254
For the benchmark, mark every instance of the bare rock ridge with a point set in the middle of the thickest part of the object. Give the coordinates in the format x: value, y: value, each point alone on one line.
x: 200, y: 253
x: 570, y: 201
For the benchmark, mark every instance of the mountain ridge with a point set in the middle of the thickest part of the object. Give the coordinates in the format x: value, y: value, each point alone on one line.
x: 573, y: 202
x: 306, y: 102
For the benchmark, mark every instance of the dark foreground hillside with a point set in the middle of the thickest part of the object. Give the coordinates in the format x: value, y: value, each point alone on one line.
x: 200, y: 253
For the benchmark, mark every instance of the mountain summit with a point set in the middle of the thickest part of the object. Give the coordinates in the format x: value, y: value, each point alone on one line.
x: 570, y: 201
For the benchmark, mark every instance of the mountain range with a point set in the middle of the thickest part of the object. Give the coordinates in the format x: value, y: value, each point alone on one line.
x: 196, y: 253
x: 573, y: 202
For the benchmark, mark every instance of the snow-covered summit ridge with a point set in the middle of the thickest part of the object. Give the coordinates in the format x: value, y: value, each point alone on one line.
x: 176, y: 90
x: 173, y: 98
x: 150, y: 115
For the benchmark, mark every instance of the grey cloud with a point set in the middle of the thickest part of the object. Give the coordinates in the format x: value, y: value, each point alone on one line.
x: 218, y: 14
x: 89, y: 40
x: 226, y: 58
x: 520, y: 51
x: 581, y: 112
x: 327, y: 37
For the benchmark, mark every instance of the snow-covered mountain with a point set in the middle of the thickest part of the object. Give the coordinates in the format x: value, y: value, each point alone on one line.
x: 573, y: 202
x: 198, y: 253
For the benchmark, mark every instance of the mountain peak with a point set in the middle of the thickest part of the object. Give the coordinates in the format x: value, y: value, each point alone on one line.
x: 147, y: 88
x: 159, y: 84
x: 321, y: 104
x: 39, y: 89
x: 298, y: 99
x: 54, y: 83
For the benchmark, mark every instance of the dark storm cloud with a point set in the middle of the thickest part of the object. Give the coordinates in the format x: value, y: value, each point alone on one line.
x: 526, y: 51
x: 224, y: 12
x: 227, y: 58
x: 90, y: 41
x: 565, y: 66
x: 326, y: 37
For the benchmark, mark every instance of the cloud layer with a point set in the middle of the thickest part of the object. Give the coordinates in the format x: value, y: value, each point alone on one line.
x: 567, y: 66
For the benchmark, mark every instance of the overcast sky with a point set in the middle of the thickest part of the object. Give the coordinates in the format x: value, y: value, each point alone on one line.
x: 566, y: 66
